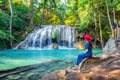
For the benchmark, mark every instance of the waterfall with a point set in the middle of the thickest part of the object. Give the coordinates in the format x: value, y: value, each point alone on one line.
x: 41, y: 38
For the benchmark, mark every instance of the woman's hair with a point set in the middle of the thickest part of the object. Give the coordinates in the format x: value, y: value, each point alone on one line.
x: 91, y: 46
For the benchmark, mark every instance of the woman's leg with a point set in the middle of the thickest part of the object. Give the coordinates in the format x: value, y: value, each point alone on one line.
x: 80, y: 58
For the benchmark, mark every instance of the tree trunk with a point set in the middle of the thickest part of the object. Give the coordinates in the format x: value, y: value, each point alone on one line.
x: 101, y: 38
x: 95, y: 21
x: 31, y: 13
x: 108, y: 14
x: 115, y: 20
x: 10, y: 24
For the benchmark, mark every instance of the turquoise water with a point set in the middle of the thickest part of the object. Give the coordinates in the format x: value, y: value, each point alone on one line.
x: 10, y: 59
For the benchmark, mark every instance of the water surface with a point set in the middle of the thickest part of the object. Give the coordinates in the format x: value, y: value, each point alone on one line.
x: 10, y: 59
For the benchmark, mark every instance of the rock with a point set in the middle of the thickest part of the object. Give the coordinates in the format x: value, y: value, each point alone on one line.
x: 107, y: 68
x: 118, y: 38
x: 51, y: 76
x: 21, y: 45
x: 28, y: 76
x: 110, y: 46
x: 42, y: 70
x: 118, y: 45
x: 80, y: 45
x: 36, y: 76
x: 73, y: 76
x: 13, y: 77
x: 99, y: 78
x: 55, y: 46
x: 67, y: 62
x: 61, y: 74
x: 104, y: 56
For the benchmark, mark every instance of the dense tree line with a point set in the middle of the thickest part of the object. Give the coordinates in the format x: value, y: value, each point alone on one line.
x: 19, y: 17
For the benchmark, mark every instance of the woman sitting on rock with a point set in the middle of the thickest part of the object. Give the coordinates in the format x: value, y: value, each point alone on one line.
x: 88, y: 51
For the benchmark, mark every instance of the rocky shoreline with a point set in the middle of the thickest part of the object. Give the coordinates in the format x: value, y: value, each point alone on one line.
x: 101, y: 67
x: 105, y: 68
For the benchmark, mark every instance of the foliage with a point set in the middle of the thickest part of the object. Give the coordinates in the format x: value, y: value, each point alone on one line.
x: 4, y: 20
x: 4, y: 38
x: 54, y: 35
x: 4, y: 33
x: 71, y: 20
x: 76, y: 13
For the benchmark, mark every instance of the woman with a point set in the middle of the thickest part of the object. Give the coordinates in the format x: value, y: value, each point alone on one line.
x: 88, y: 47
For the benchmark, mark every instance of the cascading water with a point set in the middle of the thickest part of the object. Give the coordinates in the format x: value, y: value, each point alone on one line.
x: 41, y: 38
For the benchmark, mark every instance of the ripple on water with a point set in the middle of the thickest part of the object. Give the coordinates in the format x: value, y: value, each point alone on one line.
x: 38, y: 72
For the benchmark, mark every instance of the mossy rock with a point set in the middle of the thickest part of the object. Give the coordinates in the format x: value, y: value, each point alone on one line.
x: 14, y: 77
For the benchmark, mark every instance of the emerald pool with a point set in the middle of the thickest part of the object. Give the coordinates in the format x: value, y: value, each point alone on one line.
x: 46, y: 60
x: 10, y: 59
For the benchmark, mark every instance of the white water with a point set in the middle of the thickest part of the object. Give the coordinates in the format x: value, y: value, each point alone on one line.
x: 41, y: 38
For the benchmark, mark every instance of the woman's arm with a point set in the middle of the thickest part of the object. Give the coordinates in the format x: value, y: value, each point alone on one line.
x: 86, y: 47
x: 86, y: 51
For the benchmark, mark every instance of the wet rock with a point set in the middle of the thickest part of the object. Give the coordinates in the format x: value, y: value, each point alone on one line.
x: 34, y: 77
x: 22, y: 45
x: 28, y: 75
x: 67, y: 62
x: 41, y: 70
x: 22, y: 73
x: 13, y: 77
x: 55, y: 46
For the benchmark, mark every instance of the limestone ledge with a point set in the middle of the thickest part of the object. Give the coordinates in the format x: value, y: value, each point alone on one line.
x: 106, y: 67
x: 80, y: 45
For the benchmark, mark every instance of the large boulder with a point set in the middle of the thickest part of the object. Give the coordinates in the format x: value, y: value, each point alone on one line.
x: 110, y: 46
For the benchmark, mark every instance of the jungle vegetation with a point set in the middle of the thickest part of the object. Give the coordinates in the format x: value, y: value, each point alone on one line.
x: 19, y: 17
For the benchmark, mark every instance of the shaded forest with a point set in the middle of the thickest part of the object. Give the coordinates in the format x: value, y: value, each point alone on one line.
x: 19, y: 17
